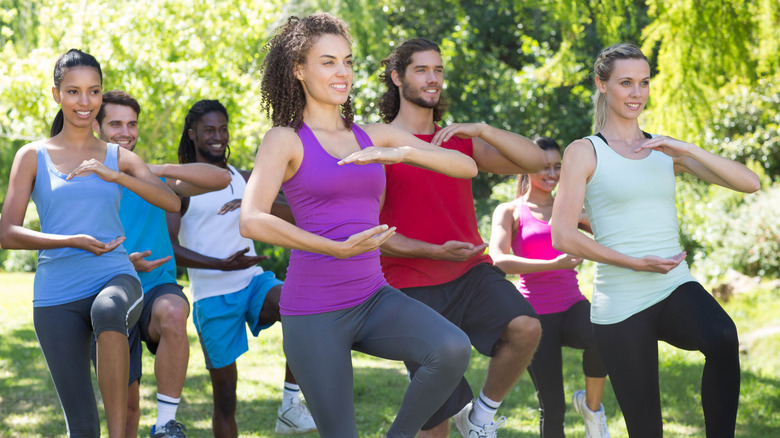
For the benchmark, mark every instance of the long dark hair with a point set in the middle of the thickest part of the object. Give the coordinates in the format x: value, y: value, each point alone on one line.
x: 200, y: 109
x: 546, y: 144
x: 390, y: 102
x: 74, y: 58
x: 282, y: 95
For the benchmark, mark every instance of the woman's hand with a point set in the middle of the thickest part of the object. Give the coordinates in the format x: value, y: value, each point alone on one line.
x: 669, y: 146
x: 97, y: 167
x: 659, y: 264
x: 461, y: 130
x: 363, y: 241
x: 90, y: 244
x: 373, y: 154
x: 567, y: 261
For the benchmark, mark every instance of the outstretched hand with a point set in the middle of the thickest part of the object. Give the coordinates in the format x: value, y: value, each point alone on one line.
x: 461, y: 130
x: 239, y: 260
x: 457, y: 251
x: 659, y: 264
x: 94, y: 166
x: 669, y: 146
x: 140, y: 264
x: 230, y: 206
x: 363, y: 241
x: 89, y: 243
x: 375, y: 154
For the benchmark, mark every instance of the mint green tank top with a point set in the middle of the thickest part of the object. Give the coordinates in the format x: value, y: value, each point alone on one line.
x: 631, y: 206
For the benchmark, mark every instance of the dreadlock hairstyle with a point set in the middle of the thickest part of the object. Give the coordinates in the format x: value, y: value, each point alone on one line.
x: 200, y: 109
x: 602, y: 68
x: 282, y: 95
x: 390, y: 102
x: 117, y: 97
x: 74, y: 58
x: 546, y: 144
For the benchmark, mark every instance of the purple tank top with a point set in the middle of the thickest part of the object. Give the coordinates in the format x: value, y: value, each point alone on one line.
x: 547, y: 291
x: 335, y: 202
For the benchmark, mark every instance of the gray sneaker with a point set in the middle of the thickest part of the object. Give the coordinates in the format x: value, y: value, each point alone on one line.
x: 172, y: 429
x: 595, y: 422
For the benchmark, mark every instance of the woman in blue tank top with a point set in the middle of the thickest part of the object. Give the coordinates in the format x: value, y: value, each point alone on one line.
x: 335, y: 298
x: 643, y: 291
x: 84, y: 282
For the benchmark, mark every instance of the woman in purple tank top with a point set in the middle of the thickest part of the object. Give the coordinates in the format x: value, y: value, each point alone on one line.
x: 520, y: 243
x: 84, y: 283
x: 330, y: 169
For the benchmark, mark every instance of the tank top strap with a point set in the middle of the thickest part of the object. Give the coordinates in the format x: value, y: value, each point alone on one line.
x: 363, y: 139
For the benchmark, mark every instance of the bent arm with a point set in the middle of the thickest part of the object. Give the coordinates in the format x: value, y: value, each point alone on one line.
x: 192, y: 179
x: 718, y: 170
x: 506, y: 153
x: 136, y: 176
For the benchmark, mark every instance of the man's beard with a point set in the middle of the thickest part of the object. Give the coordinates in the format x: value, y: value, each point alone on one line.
x: 417, y: 98
x: 211, y: 156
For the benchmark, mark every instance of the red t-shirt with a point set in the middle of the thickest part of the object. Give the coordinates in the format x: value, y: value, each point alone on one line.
x: 434, y: 208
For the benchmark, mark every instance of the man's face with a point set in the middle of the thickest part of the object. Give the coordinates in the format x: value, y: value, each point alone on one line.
x: 423, y: 79
x: 120, y: 126
x: 211, y: 136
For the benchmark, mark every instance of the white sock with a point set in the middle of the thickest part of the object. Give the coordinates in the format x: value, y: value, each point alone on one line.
x: 483, y: 411
x: 291, y: 392
x: 166, y: 409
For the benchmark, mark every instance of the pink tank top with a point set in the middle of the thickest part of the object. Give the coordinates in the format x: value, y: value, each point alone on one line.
x: 547, y: 291
x: 335, y: 202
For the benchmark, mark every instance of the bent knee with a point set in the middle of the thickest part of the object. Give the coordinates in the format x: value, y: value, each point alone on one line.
x: 523, y: 331
x: 454, y: 352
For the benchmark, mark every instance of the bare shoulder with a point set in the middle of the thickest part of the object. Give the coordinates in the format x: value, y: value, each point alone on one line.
x: 580, y: 153
x: 281, y: 137
x: 26, y: 157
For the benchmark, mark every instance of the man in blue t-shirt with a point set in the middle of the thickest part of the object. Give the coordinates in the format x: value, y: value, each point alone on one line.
x: 163, y: 321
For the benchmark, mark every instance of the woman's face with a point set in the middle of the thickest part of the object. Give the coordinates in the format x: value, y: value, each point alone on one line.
x: 80, y: 94
x: 627, y: 89
x: 547, y: 179
x: 326, y: 75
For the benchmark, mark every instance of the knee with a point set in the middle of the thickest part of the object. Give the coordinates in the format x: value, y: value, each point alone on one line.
x: 722, y: 341
x: 172, y: 317
x: 523, y: 332
x: 454, y: 352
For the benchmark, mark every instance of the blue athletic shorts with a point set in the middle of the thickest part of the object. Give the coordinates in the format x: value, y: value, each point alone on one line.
x: 220, y: 320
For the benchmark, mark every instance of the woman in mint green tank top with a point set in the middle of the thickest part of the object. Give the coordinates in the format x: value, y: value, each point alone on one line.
x: 84, y: 282
x: 643, y: 290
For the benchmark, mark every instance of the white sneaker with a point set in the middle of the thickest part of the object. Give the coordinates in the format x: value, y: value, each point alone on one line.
x: 595, y: 422
x: 468, y: 430
x: 295, y: 419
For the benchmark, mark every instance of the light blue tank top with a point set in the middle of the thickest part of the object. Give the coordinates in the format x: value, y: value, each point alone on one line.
x: 146, y: 229
x: 83, y: 205
x: 631, y: 206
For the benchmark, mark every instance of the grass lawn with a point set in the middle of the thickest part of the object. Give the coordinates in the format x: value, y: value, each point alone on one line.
x: 29, y: 405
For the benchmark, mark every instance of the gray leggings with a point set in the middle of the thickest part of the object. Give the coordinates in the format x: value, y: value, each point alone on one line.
x: 388, y: 325
x: 65, y: 333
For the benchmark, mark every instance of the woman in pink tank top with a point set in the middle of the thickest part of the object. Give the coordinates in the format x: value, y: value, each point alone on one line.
x: 331, y: 172
x: 520, y: 243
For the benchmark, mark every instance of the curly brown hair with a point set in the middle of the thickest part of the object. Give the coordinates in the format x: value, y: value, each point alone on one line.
x: 390, y: 102
x: 282, y: 95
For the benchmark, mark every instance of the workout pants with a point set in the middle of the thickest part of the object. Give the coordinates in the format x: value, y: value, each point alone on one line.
x: 570, y: 328
x: 65, y: 332
x: 689, y: 319
x: 389, y: 325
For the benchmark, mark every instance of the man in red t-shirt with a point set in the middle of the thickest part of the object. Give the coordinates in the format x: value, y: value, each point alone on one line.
x: 437, y: 255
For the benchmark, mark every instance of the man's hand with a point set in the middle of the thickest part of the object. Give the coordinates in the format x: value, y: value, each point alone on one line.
x: 142, y: 265
x: 456, y: 251
x: 239, y: 260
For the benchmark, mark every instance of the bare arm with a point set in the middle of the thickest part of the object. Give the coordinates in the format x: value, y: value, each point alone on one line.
x: 278, y: 158
x: 501, y: 235
x: 496, y: 150
x: 406, y: 148
x: 13, y: 234
x: 192, y: 178
x: 705, y: 165
x: 401, y: 246
x: 579, y: 164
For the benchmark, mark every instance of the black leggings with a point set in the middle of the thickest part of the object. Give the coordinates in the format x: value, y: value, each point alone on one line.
x: 570, y: 328
x: 689, y: 319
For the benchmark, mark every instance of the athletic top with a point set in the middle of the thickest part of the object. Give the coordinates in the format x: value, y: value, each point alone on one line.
x: 631, y: 206
x: 146, y: 229
x: 434, y: 208
x: 216, y: 235
x: 548, y: 291
x: 335, y: 202
x: 83, y: 205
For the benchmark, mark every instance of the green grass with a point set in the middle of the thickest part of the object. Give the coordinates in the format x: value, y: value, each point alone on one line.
x: 29, y: 405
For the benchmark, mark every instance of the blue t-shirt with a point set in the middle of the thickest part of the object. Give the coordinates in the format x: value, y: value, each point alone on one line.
x: 146, y: 229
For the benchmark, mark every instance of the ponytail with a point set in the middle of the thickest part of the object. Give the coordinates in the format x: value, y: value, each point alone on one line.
x: 57, y: 124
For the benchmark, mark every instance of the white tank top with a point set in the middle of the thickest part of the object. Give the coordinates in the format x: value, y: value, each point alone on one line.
x: 206, y: 232
x: 631, y: 206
